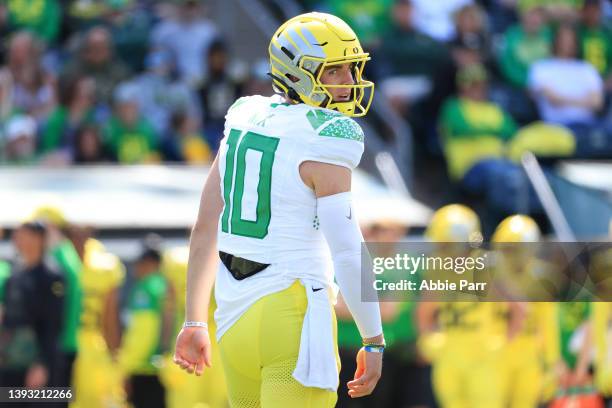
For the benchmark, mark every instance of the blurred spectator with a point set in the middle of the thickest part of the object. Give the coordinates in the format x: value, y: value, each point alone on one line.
x: 369, y: 18
x: 523, y: 44
x: 24, y: 85
x: 596, y: 40
x: 88, y: 146
x: 470, y: 43
x: 474, y: 132
x: 502, y: 14
x: 95, y: 59
x: 469, y: 46
x: 42, y: 17
x: 76, y: 100
x: 187, y: 36
x: 34, y: 300
x: 140, y: 344
x: 567, y: 91
x: 19, y: 144
x: 472, y: 128
x: 218, y: 93
x: 435, y: 18
x: 130, y: 26
x: 128, y: 135
x: 411, y: 58
x: 160, y: 94
x: 183, y: 144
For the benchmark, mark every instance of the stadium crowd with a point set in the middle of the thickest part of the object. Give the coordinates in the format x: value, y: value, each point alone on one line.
x: 479, y: 82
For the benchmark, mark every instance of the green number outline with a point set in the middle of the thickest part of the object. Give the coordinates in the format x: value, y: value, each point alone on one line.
x: 232, y: 212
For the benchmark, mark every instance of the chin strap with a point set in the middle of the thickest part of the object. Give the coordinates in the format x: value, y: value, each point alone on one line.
x: 284, y: 88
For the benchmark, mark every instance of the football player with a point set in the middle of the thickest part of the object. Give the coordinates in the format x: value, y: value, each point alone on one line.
x: 463, y: 340
x: 529, y: 356
x: 95, y: 377
x: 275, y: 206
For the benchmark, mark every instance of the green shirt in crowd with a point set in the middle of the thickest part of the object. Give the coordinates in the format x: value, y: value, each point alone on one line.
x: 56, y: 127
x: 473, y: 131
x: 596, y: 48
x: 131, y: 145
x: 39, y: 16
x: 369, y: 18
x: 520, y: 50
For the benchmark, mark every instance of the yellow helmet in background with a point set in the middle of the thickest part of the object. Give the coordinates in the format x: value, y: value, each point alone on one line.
x: 303, y: 47
x: 454, y: 223
x: 49, y: 214
x: 517, y: 228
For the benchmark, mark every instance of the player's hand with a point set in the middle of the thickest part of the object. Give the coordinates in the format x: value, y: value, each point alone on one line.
x: 193, y: 350
x: 369, y: 369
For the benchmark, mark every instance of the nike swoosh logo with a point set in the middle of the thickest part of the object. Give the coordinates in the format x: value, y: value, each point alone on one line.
x: 350, y: 214
x: 316, y: 289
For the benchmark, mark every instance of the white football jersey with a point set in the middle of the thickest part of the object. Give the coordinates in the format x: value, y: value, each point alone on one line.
x: 269, y: 214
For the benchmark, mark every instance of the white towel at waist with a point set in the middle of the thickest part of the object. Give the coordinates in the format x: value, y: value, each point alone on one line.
x: 316, y: 365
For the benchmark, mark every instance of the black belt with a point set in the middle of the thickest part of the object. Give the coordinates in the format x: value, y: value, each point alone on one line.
x: 241, y: 268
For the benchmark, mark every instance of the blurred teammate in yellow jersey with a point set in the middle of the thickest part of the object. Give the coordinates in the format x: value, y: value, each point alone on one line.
x: 531, y: 351
x: 184, y: 390
x: 602, y: 321
x: 96, y: 382
x: 463, y: 340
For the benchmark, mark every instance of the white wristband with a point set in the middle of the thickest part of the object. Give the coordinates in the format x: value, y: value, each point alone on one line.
x: 195, y: 324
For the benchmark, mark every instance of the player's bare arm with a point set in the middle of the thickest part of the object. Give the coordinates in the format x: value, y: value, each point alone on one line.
x: 193, y: 351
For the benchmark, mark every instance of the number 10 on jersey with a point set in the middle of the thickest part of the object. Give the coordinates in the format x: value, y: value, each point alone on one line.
x: 238, y: 171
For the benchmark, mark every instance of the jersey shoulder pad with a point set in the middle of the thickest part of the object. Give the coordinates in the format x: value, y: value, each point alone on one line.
x: 336, y: 138
x: 247, y: 103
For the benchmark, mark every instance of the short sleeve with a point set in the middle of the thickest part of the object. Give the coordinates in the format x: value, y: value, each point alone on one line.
x: 236, y: 107
x: 337, y: 140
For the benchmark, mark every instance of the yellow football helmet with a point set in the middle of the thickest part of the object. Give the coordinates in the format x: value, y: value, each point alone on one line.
x: 517, y: 228
x: 50, y: 214
x: 303, y: 47
x: 454, y: 223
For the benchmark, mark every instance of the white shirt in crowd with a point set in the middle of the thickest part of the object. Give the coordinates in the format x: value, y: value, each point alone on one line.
x: 189, y: 41
x: 571, y: 79
x: 436, y: 18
